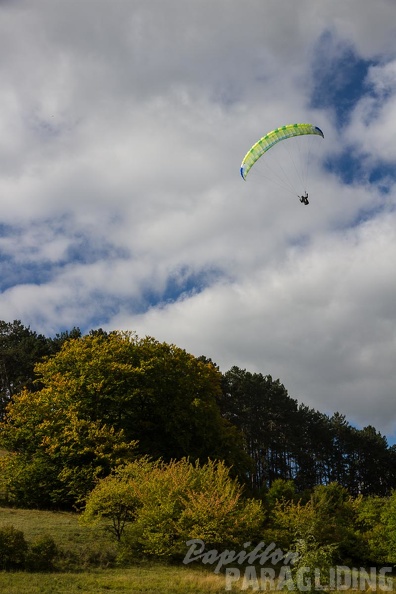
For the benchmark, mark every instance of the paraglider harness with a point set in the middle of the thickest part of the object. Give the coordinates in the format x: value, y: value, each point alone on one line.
x: 304, y: 199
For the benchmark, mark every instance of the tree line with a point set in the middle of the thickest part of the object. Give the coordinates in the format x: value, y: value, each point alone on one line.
x: 290, y: 441
x: 74, y: 408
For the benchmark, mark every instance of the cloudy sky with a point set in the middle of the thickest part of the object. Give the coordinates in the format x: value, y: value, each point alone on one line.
x: 123, y: 124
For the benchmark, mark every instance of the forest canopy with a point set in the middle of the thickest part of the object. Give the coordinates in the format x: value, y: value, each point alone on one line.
x: 74, y: 408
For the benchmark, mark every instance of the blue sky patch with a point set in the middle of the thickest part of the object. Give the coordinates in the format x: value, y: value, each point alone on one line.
x: 339, y: 77
x: 86, y: 249
x: 182, y: 282
x: 22, y: 273
x: 27, y: 265
x: 347, y: 166
x: 352, y: 167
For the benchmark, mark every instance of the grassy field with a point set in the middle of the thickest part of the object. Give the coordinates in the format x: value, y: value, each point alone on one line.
x: 85, y: 547
x: 153, y: 579
x: 80, y: 546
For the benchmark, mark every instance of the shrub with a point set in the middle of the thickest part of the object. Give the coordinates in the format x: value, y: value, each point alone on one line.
x: 328, y: 518
x: 41, y: 554
x: 280, y: 490
x: 153, y: 508
x: 313, y: 562
x: 13, y: 548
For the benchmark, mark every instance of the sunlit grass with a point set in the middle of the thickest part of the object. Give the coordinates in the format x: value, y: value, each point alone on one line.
x: 146, y: 579
x: 153, y: 579
x: 84, y: 543
x: 80, y: 546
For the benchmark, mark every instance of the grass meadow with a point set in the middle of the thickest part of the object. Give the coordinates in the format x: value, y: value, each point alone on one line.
x: 150, y: 579
x: 82, y: 548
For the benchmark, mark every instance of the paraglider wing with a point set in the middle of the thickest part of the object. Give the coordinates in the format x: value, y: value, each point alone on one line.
x: 272, y: 138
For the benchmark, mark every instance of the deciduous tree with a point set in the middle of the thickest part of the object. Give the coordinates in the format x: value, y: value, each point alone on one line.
x: 166, y: 504
x: 101, y: 395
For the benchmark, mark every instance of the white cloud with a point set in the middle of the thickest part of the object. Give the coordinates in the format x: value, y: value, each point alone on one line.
x: 322, y: 321
x: 373, y: 124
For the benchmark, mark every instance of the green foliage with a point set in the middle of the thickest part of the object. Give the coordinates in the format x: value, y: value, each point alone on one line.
x: 156, y: 393
x: 290, y: 521
x: 20, y: 349
x: 81, y: 407
x: 262, y: 409
x: 388, y: 523
x: 66, y: 463
x: 100, y: 397
x: 117, y: 498
x: 28, y: 481
x: 333, y: 509
x: 13, y: 548
x: 41, y: 554
x: 167, y: 504
x: 313, y: 562
x: 290, y: 441
x: 371, y: 515
x: 78, y: 404
x: 281, y: 490
x: 328, y: 518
